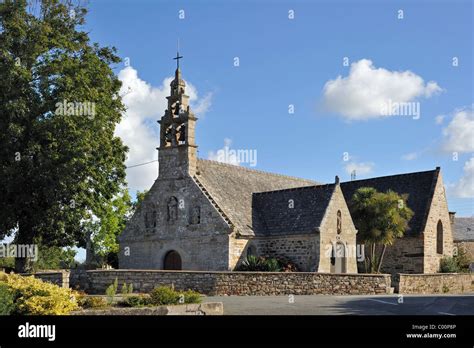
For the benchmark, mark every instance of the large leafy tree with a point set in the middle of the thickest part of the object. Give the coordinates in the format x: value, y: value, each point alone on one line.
x: 380, y: 218
x: 57, y: 166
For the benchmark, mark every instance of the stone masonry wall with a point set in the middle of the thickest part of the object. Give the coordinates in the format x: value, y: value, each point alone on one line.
x: 329, y: 236
x: 302, y: 250
x: 449, y: 283
x: 438, y: 212
x: 244, y: 283
x: 201, y: 239
x: 404, y: 256
x: 59, y: 278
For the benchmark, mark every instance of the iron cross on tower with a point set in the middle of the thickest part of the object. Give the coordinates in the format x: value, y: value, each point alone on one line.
x: 177, y: 58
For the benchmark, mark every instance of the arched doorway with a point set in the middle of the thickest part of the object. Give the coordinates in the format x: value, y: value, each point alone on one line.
x: 172, y: 261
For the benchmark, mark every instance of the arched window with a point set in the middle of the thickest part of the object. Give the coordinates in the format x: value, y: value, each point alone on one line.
x: 339, y: 222
x: 172, y: 261
x: 439, y: 237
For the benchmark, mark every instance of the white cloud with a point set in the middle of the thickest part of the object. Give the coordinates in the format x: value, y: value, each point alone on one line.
x: 439, y: 119
x: 138, y: 129
x: 225, y: 155
x: 361, y: 168
x: 363, y: 94
x: 464, y: 188
x: 203, y: 105
x: 459, y: 134
x: 410, y: 156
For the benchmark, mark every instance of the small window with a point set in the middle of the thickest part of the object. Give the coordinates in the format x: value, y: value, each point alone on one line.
x: 439, y: 237
x: 339, y: 222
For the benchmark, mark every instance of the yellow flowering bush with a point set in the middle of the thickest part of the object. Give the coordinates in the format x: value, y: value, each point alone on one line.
x: 35, y: 297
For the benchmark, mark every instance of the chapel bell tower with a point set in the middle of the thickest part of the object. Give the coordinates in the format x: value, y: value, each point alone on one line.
x: 178, y: 151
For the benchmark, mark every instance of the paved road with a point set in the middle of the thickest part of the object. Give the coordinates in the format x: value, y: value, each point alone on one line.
x: 334, y: 305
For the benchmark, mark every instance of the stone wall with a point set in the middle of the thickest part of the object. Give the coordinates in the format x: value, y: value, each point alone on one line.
x: 329, y: 238
x: 404, y: 256
x: 74, y: 278
x: 447, y: 283
x: 243, y: 283
x: 302, y: 250
x: 59, y: 278
x: 438, y: 213
x: 201, y: 237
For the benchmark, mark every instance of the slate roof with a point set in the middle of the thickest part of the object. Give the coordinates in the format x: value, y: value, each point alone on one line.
x: 463, y: 229
x: 231, y: 187
x: 272, y: 215
x: 419, y: 186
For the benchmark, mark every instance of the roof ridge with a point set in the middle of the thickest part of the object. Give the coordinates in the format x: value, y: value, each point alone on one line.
x: 389, y: 176
x: 294, y: 188
x: 256, y: 170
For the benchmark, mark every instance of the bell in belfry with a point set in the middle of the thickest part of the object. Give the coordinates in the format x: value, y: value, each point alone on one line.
x: 182, y: 134
x: 177, y: 109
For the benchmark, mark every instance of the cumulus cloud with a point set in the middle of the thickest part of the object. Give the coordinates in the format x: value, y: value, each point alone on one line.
x: 361, y: 168
x: 138, y: 129
x: 464, y: 188
x: 365, y: 92
x: 459, y: 134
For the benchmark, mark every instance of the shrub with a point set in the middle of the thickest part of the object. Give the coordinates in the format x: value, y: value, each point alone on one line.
x: 455, y: 264
x: 191, y: 296
x: 111, y: 291
x: 272, y: 265
x: 261, y: 264
x: 126, y: 290
x: 33, y: 296
x: 136, y: 301
x: 92, y: 302
x: 164, y: 295
x: 7, y: 305
x: 448, y: 265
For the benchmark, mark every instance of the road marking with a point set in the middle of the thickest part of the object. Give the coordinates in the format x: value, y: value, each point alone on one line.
x: 390, y: 303
x: 446, y: 313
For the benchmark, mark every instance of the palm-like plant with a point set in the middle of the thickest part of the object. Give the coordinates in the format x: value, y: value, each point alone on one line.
x: 381, y: 218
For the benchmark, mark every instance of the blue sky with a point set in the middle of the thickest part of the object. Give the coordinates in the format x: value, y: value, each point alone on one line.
x: 290, y: 61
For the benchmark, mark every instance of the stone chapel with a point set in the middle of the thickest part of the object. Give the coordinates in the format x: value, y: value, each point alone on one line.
x: 206, y: 215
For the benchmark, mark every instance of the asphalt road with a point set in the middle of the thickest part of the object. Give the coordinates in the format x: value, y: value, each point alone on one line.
x: 352, y: 305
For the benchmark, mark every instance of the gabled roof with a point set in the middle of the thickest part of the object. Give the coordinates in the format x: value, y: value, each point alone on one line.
x: 419, y: 186
x: 273, y: 216
x: 463, y: 229
x: 231, y: 188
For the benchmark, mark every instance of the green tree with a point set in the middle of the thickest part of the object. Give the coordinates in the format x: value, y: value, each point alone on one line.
x: 102, y: 230
x: 54, y: 258
x: 58, y: 165
x: 380, y: 218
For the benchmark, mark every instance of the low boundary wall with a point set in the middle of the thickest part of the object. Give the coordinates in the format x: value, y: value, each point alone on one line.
x: 438, y: 283
x: 229, y: 283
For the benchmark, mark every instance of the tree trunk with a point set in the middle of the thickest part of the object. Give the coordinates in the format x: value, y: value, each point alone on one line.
x: 381, y: 258
x: 21, y: 263
x: 373, y: 262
